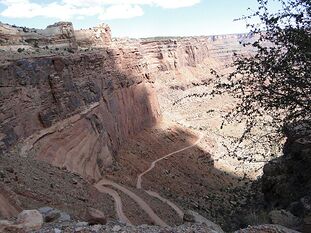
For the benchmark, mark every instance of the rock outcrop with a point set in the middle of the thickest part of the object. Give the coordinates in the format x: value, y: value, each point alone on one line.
x: 99, y: 36
x: 191, y: 216
x: 284, y: 218
x: 60, y: 35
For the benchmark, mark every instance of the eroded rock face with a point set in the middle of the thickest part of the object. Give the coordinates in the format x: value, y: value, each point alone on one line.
x: 174, y: 54
x: 60, y: 34
x: 75, y: 109
x: 99, y: 36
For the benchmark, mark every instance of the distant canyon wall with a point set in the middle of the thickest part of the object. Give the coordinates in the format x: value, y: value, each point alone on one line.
x: 173, y: 54
x: 75, y: 109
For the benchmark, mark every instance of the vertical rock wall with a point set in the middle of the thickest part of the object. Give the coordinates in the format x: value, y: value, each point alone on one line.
x: 75, y: 111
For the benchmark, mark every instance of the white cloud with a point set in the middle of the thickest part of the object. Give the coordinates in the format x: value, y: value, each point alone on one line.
x: 160, y: 3
x: 103, y: 9
x: 121, y: 12
x: 175, y: 3
x: 53, y: 10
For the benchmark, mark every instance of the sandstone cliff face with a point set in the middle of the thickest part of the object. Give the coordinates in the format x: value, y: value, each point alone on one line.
x: 176, y: 53
x: 75, y: 109
x: 58, y: 35
x: 165, y: 55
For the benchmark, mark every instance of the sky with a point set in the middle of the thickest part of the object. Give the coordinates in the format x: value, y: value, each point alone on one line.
x: 133, y: 18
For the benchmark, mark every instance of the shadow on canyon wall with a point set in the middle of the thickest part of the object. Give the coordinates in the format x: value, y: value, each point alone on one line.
x: 188, y: 178
x: 76, y: 111
x: 73, y: 112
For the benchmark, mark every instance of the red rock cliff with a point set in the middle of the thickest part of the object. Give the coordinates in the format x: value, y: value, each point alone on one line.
x: 74, y: 110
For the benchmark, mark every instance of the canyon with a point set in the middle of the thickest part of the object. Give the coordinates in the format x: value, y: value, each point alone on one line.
x: 121, y: 125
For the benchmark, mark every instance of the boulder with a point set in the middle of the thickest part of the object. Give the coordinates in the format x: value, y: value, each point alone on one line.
x: 116, y: 228
x: 82, y: 224
x: 30, y: 220
x: 94, y: 216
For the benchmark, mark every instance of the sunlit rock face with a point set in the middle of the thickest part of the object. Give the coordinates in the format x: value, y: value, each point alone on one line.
x: 99, y: 36
x: 173, y: 54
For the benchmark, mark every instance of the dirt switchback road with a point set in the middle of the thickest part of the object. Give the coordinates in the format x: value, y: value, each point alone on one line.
x: 155, y: 194
x: 101, y: 186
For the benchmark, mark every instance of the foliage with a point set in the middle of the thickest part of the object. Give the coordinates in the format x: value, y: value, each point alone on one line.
x: 274, y: 78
